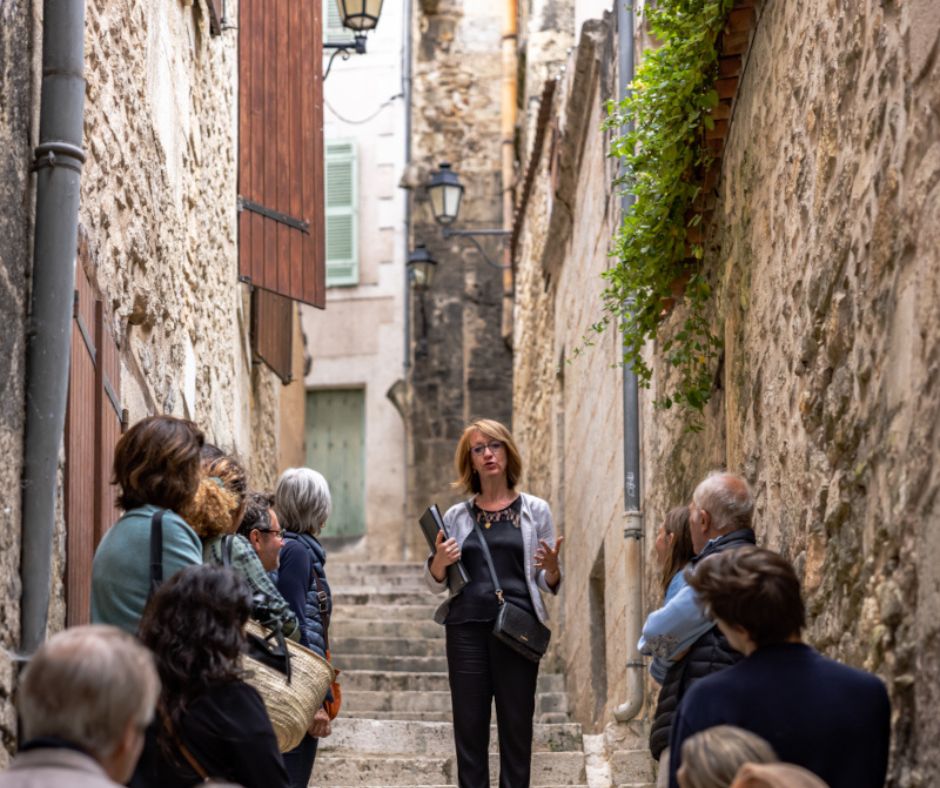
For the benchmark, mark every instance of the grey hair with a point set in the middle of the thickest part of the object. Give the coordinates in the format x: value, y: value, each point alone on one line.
x: 712, y: 757
x: 302, y: 501
x: 727, y: 498
x: 84, y: 685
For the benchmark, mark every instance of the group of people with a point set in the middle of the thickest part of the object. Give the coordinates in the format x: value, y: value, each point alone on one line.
x: 155, y: 692
x: 744, y: 702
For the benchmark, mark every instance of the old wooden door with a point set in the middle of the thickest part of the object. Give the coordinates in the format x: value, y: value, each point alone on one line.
x: 336, y: 448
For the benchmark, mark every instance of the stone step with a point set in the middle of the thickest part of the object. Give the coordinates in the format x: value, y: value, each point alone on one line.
x: 352, y: 737
x: 360, y: 571
x: 389, y: 628
x: 548, y: 768
x: 384, y: 681
x: 381, y: 646
x: 368, y: 701
x: 383, y: 662
x: 348, y: 596
x: 628, y: 767
x: 549, y: 718
x: 364, y: 612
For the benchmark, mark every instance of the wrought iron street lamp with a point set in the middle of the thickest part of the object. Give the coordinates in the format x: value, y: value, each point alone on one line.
x: 446, y: 193
x: 360, y: 16
x: 421, y: 268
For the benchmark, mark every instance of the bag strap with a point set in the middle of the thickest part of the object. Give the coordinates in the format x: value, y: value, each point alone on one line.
x: 324, y: 601
x: 486, y: 554
x: 190, y: 758
x: 156, y: 552
x: 226, y: 550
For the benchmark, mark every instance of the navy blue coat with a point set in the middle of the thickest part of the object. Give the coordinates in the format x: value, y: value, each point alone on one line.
x: 302, y: 559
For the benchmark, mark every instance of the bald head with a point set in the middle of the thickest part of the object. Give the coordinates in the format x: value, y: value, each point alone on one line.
x: 722, y: 503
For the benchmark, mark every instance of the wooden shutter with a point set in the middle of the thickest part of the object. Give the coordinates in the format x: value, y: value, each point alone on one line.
x: 280, y: 161
x: 342, y: 230
x: 272, y: 331
x: 94, y: 422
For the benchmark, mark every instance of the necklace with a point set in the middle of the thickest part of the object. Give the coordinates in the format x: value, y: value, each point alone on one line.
x: 486, y: 519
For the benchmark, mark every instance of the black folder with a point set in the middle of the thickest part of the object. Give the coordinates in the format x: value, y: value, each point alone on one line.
x: 431, y: 522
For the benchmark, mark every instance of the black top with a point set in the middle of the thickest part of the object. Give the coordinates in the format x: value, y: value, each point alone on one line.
x: 228, y: 732
x: 477, y: 602
x: 815, y: 712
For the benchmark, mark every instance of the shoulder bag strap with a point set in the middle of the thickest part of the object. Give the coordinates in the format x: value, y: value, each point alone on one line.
x: 486, y: 554
x: 324, y: 602
x: 226, y: 549
x: 190, y: 758
x: 156, y: 552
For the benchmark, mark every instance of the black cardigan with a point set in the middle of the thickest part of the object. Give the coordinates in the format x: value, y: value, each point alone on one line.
x: 229, y: 733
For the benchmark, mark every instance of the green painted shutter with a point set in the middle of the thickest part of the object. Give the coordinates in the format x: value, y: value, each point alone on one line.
x: 336, y: 447
x: 333, y: 30
x: 342, y: 247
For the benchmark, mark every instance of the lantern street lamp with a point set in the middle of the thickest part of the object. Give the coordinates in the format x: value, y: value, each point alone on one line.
x: 360, y: 16
x: 421, y: 268
x: 446, y: 193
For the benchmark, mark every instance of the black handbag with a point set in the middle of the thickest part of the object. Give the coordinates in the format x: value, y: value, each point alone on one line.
x: 515, y: 627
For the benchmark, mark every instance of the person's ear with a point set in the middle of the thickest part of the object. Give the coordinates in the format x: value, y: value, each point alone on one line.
x: 254, y: 536
x: 705, y: 519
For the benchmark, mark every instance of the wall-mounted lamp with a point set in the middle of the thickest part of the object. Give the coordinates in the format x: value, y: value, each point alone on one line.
x: 360, y: 16
x: 421, y: 268
x: 446, y: 193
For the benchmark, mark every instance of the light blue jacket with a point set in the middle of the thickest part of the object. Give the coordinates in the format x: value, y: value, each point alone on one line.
x: 536, y: 524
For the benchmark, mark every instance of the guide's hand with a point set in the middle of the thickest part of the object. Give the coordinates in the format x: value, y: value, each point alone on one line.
x: 547, y: 558
x: 446, y: 552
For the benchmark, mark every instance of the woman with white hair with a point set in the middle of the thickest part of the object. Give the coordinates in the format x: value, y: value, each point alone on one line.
x: 302, y: 503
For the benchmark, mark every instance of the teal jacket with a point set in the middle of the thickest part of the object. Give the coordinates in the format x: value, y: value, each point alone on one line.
x: 120, y: 573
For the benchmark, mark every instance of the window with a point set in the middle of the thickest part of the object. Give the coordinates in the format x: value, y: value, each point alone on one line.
x: 342, y: 259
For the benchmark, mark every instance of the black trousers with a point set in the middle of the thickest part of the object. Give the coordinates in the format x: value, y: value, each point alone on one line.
x: 299, y: 761
x: 481, y: 668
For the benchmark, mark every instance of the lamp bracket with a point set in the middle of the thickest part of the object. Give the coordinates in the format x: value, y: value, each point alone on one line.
x: 345, y: 49
x: 472, y: 235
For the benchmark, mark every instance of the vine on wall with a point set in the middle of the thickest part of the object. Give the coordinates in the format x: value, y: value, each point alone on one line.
x: 660, y: 137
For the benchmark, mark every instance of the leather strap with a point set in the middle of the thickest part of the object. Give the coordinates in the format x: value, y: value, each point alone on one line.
x: 226, y: 550
x: 486, y: 554
x: 156, y: 552
x: 190, y: 758
x: 323, y: 600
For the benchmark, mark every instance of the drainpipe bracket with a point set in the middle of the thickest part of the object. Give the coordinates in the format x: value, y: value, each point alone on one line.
x: 633, y: 664
x: 58, y: 154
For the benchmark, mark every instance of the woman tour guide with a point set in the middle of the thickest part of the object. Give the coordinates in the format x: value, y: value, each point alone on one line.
x: 520, y: 536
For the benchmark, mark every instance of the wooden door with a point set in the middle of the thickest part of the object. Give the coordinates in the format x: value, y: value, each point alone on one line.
x: 336, y: 448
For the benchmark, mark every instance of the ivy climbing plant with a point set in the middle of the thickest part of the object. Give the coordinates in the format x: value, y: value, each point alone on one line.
x: 659, y: 135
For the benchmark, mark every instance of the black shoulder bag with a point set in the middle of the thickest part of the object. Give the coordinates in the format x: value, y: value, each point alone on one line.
x: 515, y: 627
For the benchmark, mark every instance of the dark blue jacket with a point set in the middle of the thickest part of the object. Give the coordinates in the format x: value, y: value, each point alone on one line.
x: 815, y: 712
x: 302, y: 559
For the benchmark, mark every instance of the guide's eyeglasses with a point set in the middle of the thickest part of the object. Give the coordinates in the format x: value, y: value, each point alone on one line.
x: 493, y: 446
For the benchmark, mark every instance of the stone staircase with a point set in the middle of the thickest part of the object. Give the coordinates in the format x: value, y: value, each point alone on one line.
x: 395, y: 727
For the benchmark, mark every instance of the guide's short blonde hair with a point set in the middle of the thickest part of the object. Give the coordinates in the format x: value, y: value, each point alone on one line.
x: 467, y: 479
x: 84, y: 685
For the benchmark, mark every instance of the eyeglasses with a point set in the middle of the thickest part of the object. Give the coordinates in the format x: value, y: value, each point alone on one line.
x: 278, y: 532
x: 493, y: 446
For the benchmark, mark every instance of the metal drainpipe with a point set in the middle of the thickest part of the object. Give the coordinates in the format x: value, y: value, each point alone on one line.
x: 59, y: 159
x: 406, y: 89
x: 633, y: 525
x: 507, y: 148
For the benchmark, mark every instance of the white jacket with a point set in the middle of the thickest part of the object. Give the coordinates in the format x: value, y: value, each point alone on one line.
x: 536, y: 525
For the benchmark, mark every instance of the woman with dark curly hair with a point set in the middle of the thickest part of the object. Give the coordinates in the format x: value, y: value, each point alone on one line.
x: 156, y: 466
x: 210, y: 723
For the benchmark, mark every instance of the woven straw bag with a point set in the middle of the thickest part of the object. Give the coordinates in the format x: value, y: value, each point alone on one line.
x: 293, y: 695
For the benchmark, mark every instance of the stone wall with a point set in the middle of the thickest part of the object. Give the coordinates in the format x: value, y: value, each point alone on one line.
x: 462, y: 368
x: 825, y: 253
x: 17, y: 136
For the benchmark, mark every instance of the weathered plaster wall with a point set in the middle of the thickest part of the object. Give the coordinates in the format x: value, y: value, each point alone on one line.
x: 826, y: 250
x: 461, y: 369
x: 17, y: 64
